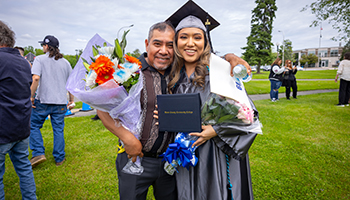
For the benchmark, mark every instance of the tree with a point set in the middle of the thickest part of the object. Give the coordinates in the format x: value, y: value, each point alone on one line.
x: 258, y: 49
x: 288, y: 51
x: 346, y: 49
x: 136, y: 53
x: 71, y: 59
x: 336, y: 12
x: 28, y: 49
x: 309, y: 59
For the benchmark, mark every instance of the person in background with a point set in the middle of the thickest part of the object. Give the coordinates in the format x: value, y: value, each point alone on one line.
x: 15, y: 109
x: 289, y: 79
x: 344, y: 74
x: 50, y: 72
x: 21, y: 51
x: 275, y: 78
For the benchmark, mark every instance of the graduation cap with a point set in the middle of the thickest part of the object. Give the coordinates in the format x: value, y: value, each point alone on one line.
x: 190, y: 15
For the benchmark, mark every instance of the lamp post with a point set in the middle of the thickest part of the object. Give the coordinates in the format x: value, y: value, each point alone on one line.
x: 283, y: 47
x: 124, y: 27
x: 277, y: 44
x: 76, y: 54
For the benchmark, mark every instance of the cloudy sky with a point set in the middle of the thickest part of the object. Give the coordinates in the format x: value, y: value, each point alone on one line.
x: 75, y: 22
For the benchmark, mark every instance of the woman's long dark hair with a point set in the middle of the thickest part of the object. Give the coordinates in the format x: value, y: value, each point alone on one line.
x: 276, y: 62
x: 200, y: 71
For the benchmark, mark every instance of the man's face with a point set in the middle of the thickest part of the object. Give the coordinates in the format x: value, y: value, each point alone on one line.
x: 160, y: 52
x: 45, y: 47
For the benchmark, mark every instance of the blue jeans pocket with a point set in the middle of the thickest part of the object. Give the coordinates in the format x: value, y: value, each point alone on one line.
x: 61, y: 109
x: 39, y: 107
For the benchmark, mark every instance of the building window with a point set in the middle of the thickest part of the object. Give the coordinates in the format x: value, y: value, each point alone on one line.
x: 334, y: 53
x: 311, y: 52
x: 322, y: 53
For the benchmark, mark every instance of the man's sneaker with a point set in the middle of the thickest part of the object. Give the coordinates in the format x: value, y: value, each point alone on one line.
x: 273, y: 100
x: 37, y: 160
x: 339, y: 105
x: 346, y: 104
x: 60, y: 163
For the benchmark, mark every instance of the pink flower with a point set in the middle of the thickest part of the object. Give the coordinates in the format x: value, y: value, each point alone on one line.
x: 245, y: 113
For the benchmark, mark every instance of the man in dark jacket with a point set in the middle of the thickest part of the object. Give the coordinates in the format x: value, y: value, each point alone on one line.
x: 15, y: 111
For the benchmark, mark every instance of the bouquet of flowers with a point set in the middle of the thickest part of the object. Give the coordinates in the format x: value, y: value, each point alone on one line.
x: 108, y: 80
x: 218, y: 109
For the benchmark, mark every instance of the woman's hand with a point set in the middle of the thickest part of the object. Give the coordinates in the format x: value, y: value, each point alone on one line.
x: 207, y: 133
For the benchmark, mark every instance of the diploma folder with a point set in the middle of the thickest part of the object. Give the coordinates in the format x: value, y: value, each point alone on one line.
x: 179, y: 112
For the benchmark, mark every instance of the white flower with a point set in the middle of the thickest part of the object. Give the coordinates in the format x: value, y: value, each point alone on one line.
x: 106, y: 51
x: 90, y: 79
x: 121, y: 75
x: 132, y: 67
x: 116, y: 62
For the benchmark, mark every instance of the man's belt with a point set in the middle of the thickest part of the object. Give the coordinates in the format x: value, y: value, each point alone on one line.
x: 152, y: 155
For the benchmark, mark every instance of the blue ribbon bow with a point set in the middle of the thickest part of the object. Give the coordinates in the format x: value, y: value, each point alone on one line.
x: 181, y: 151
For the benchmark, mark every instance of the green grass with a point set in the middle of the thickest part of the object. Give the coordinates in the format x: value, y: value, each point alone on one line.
x: 263, y: 87
x: 303, y: 154
x: 314, y: 74
x: 305, y: 149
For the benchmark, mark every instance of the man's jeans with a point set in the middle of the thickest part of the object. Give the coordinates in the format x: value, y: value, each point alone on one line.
x: 275, y: 85
x: 39, y: 114
x: 18, y: 152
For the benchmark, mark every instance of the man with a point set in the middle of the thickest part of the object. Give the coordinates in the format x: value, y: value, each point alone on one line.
x: 155, y: 67
x: 15, y: 109
x: 50, y: 73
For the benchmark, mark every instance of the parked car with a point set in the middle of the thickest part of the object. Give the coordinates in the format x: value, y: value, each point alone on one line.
x: 253, y: 68
x: 300, y: 68
x: 266, y: 67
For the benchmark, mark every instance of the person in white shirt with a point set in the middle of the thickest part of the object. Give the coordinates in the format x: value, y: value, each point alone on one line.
x: 344, y: 74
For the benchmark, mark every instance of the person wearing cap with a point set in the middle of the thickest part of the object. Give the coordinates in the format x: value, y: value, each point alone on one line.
x: 15, y: 107
x: 50, y: 73
x: 223, y: 170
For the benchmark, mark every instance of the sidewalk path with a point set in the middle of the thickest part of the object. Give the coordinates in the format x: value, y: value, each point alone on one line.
x: 283, y: 95
x: 78, y: 113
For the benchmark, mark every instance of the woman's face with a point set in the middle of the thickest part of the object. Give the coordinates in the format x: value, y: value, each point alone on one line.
x: 280, y: 62
x: 190, y: 43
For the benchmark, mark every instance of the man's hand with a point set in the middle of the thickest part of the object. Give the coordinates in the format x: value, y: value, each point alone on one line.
x: 132, y: 145
x: 133, y: 148
x: 235, y: 60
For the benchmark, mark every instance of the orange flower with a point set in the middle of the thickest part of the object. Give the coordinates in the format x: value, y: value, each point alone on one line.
x: 103, y: 68
x: 131, y: 59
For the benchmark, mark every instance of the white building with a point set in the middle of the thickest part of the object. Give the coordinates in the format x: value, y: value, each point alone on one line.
x: 328, y: 56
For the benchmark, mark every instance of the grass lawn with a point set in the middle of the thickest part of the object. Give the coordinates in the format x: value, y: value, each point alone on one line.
x: 304, y: 153
x: 314, y: 74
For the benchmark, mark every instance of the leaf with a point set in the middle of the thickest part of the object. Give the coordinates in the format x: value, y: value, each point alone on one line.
x: 226, y: 118
x: 94, y: 51
x: 86, y: 66
x: 123, y: 42
x: 105, y: 44
x: 118, y: 51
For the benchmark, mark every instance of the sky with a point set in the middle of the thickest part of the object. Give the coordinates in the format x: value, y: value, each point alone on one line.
x: 75, y: 22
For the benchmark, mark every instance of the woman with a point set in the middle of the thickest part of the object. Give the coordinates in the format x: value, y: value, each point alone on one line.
x: 289, y: 79
x: 209, y: 178
x: 344, y: 74
x: 275, y: 78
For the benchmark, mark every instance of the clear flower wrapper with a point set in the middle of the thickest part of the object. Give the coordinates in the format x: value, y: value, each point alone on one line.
x: 103, y: 80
